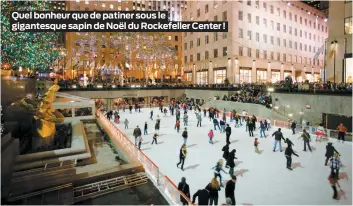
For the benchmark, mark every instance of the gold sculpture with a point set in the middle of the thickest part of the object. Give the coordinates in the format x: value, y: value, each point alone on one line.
x: 47, y: 116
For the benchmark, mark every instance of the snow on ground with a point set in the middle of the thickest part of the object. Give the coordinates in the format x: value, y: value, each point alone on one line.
x: 264, y: 179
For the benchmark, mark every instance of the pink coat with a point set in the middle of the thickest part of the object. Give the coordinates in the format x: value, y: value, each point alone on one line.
x: 210, y: 134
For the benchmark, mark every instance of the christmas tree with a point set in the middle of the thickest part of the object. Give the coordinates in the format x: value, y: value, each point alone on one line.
x: 36, y: 50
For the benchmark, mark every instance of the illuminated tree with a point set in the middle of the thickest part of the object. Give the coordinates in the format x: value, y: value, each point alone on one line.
x: 27, y: 49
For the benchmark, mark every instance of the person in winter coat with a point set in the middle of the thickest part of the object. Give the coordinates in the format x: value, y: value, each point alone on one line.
x: 126, y: 122
x: 335, y: 164
x: 230, y: 162
x: 289, y: 143
x: 228, y: 133
x: 278, y: 137
x: 216, y: 124
x: 247, y: 121
x: 139, y: 140
x: 256, y: 143
x: 182, y: 156
x: 165, y: 111
x: 251, y: 129
x: 213, y: 188
x: 130, y: 108
x: 293, y: 126
x: 204, y: 112
x: 184, y: 187
x: 268, y: 124
x: 185, y: 135
x: 145, y: 129
x: 155, y: 138
x: 203, y: 196
x: 262, y: 129
x: 333, y: 182
x: 217, y: 170
x: 210, y: 136
x: 329, y: 152
x: 320, y: 133
x: 185, y: 118
x: 288, y: 153
x: 137, y: 133
x: 157, y: 126
x: 341, y: 132
x: 253, y: 121
x: 222, y: 124
x: 230, y: 188
x: 306, y: 139
x: 198, y: 116
x: 225, y: 150
x: 177, y: 126
x: 151, y: 117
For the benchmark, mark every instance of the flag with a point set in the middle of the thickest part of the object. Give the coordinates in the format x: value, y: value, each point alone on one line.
x: 319, y: 51
x: 331, y: 53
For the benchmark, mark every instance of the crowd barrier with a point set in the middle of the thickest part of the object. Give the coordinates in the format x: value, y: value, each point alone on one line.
x: 164, y: 183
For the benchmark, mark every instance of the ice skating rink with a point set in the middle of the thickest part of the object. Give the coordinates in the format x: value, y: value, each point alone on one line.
x: 262, y: 178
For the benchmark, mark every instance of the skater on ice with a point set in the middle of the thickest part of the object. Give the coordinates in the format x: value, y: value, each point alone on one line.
x: 177, y: 126
x: 341, y: 129
x: 278, y: 138
x: 335, y: 164
x: 228, y: 133
x: 185, y: 119
x: 213, y: 187
x: 333, y: 182
x: 198, y: 116
x: 230, y: 162
x: 155, y: 138
x: 139, y: 140
x: 202, y: 197
x: 137, y: 133
x: 126, y: 123
x: 225, y: 150
x: 222, y: 124
x: 217, y: 170
x: 306, y: 140
x: 256, y: 143
x: 230, y: 189
x: 320, y: 133
x: 184, y: 187
x: 262, y: 130
x: 288, y: 153
x: 151, y: 117
x: 145, y: 129
x: 251, y: 128
x: 330, y: 150
x: 185, y: 135
x: 216, y: 124
x: 210, y: 136
x: 293, y: 126
x: 182, y: 156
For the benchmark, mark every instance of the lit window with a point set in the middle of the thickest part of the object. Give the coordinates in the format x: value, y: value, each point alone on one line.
x: 103, y: 5
x: 348, y: 25
x: 77, y: 1
x: 86, y: 2
x: 111, y: 6
x: 169, y: 37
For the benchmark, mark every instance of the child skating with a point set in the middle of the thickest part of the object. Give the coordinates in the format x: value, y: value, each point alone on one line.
x: 139, y: 140
x: 210, y: 136
x: 155, y: 138
x: 256, y: 143
x: 177, y: 126
x: 126, y: 122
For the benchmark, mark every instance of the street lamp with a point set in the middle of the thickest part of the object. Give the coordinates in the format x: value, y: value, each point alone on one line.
x: 334, y: 43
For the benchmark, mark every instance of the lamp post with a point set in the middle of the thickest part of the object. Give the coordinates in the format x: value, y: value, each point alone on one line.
x: 334, y: 43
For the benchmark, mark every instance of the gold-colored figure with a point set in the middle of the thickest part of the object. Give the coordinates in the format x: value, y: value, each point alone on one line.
x: 47, y: 116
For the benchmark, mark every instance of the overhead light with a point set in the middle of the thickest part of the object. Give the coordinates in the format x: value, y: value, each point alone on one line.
x: 288, y: 4
x: 309, y: 12
x: 276, y: 107
x: 290, y: 115
x: 270, y: 89
x: 325, y: 20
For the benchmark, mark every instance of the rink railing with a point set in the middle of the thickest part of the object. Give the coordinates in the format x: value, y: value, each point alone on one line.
x: 165, y: 185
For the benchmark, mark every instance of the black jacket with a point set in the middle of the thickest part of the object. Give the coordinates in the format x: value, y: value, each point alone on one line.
x: 230, y: 187
x: 185, y: 134
x: 230, y: 159
x: 289, y: 143
x: 289, y: 151
x: 184, y: 187
x: 330, y: 151
x: 293, y: 125
x: 213, y: 191
x: 202, y: 195
x: 228, y: 130
x: 278, y: 135
x: 145, y: 126
x: 225, y: 150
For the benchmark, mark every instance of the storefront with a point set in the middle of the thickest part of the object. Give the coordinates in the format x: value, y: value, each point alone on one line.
x: 219, y: 75
x: 261, y: 75
x: 188, y: 76
x: 308, y: 76
x: 287, y: 73
x: 202, y: 77
x: 275, y: 76
x: 348, y: 73
x: 317, y: 77
x: 245, y: 75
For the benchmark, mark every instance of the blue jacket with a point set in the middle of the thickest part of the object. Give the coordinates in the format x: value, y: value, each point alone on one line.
x: 262, y: 125
x: 215, y: 121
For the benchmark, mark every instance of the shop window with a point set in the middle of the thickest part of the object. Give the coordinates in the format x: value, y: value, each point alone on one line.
x: 245, y: 76
x: 202, y: 77
x: 348, y: 25
x: 275, y: 76
x: 219, y: 76
x: 261, y: 76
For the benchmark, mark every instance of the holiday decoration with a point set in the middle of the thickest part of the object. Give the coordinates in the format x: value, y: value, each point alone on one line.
x: 27, y: 49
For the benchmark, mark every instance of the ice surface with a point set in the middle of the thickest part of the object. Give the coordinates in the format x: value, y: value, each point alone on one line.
x: 264, y: 179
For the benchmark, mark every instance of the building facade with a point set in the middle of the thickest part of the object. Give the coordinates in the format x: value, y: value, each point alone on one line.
x: 108, y: 55
x: 266, y: 42
x: 339, y: 62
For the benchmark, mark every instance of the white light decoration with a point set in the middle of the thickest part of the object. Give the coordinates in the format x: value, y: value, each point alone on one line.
x: 276, y: 107
x: 20, y: 69
x: 270, y: 90
x: 290, y: 115
x: 325, y: 20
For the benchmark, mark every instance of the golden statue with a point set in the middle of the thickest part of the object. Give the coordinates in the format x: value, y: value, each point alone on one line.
x: 47, y: 116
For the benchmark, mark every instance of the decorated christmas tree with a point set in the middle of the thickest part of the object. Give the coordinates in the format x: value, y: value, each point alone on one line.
x: 35, y: 50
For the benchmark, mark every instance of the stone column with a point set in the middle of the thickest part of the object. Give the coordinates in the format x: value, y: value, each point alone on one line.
x: 282, y: 72
x: 194, y: 74
x: 293, y: 73
x: 229, y: 74
x: 236, y: 71
x: 210, y: 73
x: 303, y: 74
x: 269, y: 74
x: 253, y: 71
x: 312, y: 74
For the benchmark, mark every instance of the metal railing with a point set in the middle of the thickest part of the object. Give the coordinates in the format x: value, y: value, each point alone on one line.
x: 164, y: 183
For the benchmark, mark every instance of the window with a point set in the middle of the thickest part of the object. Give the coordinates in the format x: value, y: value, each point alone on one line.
x: 169, y: 37
x: 215, y: 36
x: 191, y: 44
x: 219, y: 76
x: 257, y: 20
x: 284, y: 57
x: 300, y: 33
x: 265, y: 54
x: 300, y: 46
x: 206, y: 55
x: 271, y: 9
x: 284, y: 43
x: 278, y: 12
x: 176, y: 38
x: 224, y: 16
x: 278, y: 41
x: 257, y: 36
x: 305, y: 35
x: 265, y: 22
x: 300, y: 20
x: 278, y: 56
x: 185, y: 46
x: 111, y: 6
x: 261, y: 76
x: 249, y: 52
x: 284, y: 14
x: 206, y: 39
x: 198, y: 42
x: 245, y: 75
x: 278, y: 27
x: 206, y: 8
x: 305, y: 48
x: 240, y: 33
x: 248, y: 3
x: 295, y: 18
x: 348, y: 25
x: 265, y: 6
x: 284, y: 28
x: 224, y: 35
x: 249, y: 35
x: 290, y: 44
x: 240, y: 15
x: 185, y: 59
x: 198, y: 13
x: 202, y: 77
x: 215, y: 18
x: 309, y: 48
x: 191, y: 58
x: 240, y: 51
x: 265, y: 38
x: 290, y: 30
x: 275, y: 76
x: 290, y: 16
x: 198, y: 56
x: 295, y: 32
x: 295, y: 59
x: 272, y: 40
x: 176, y: 47
x: 257, y: 53
x: 257, y: 4
x: 249, y: 18
x: 225, y: 51
x: 215, y: 53
x: 189, y: 77
x: 272, y: 56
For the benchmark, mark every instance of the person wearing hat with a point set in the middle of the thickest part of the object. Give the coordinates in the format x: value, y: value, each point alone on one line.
x: 288, y: 153
x: 329, y: 152
x: 306, y: 138
x: 228, y: 133
x: 184, y: 187
x: 335, y: 164
x: 230, y: 188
